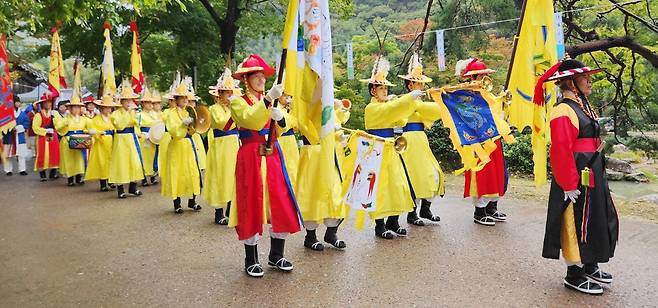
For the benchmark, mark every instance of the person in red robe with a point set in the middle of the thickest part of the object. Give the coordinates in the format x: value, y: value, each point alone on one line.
x: 47, y: 143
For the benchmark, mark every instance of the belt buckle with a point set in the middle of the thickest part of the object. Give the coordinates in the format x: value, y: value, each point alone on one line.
x: 264, y: 150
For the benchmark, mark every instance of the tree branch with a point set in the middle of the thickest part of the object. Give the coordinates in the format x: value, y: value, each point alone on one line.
x: 213, y: 14
x: 607, y: 43
x: 638, y: 18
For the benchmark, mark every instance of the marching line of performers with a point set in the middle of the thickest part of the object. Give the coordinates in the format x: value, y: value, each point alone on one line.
x: 255, y: 172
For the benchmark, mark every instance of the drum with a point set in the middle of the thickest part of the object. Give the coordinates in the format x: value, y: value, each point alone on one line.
x: 79, y: 142
x: 156, y: 132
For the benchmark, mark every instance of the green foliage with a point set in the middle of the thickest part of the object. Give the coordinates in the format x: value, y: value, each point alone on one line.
x: 643, y: 143
x: 439, y: 139
x: 518, y: 155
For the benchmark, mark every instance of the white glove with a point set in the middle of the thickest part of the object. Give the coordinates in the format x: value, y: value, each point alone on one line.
x: 91, y: 131
x: 276, y: 114
x: 417, y: 94
x: 145, y: 135
x: 571, y: 195
x: 49, y: 131
x: 188, y: 121
x: 52, y: 113
x: 20, y: 129
x: 390, y: 97
x: 275, y: 92
x: 337, y: 104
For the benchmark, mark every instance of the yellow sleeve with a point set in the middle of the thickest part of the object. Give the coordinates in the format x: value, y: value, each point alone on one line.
x: 119, y: 120
x: 428, y: 111
x: 61, y: 124
x: 219, y: 117
x: 250, y: 117
x: 36, y: 125
x: 342, y: 116
x: 175, y: 126
x: 386, y: 115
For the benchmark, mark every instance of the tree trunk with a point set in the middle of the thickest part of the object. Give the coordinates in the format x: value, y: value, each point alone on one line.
x: 607, y: 43
x: 227, y: 26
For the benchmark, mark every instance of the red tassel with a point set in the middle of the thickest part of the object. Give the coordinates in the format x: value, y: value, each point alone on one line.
x: 133, y: 26
x: 106, y: 25
x: 538, y: 98
x: 54, y: 29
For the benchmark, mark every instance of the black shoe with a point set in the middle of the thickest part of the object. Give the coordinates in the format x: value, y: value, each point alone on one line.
x: 576, y: 280
x: 53, y: 174
x: 251, y: 265
x: 42, y: 175
x: 9, y: 173
x: 145, y: 182
x: 22, y: 173
x: 154, y: 180
x: 220, y: 219
x: 413, y: 219
x: 311, y: 241
x: 331, y: 238
x: 177, y: 207
x: 132, y: 189
x: 121, y: 193
x: 393, y: 225
x: 381, y: 232
x: 480, y: 216
x: 193, y: 205
x: 594, y: 272
x: 70, y: 181
x: 276, y: 258
x: 104, y: 187
x: 493, y: 212
x: 44, y: 179
x: 426, y: 212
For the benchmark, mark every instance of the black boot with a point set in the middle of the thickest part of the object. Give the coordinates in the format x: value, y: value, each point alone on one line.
x: 426, y: 212
x: 220, y: 219
x: 53, y: 174
x: 331, y: 238
x: 191, y: 203
x: 228, y: 209
x: 70, y: 181
x: 104, y: 185
x: 480, y: 216
x: 154, y: 180
x: 492, y: 211
x: 145, y: 182
x: 251, y: 265
x: 177, y: 208
x: 393, y: 224
x: 593, y: 271
x: 311, y: 241
x: 276, y: 258
x: 79, y: 180
x: 576, y: 280
x: 42, y: 175
x: 380, y: 230
x: 132, y: 189
x: 121, y: 192
x: 413, y: 219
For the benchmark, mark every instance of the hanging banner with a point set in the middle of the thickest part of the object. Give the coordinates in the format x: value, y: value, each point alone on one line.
x: 350, y: 61
x: 440, y: 50
x: 559, y: 35
x: 364, y: 180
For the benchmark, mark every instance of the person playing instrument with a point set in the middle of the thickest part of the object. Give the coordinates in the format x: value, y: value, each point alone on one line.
x: 145, y: 120
x: 73, y: 126
x: 47, y: 141
x: 198, y: 141
x: 183, y: 175
x: 263, y: 189
x: 383, y: 116
x: 126, y: 164
x: 489, y: 184
x: 15, y: 141
x: 101, y: 153
x: 223, y: 145
x: 582, y: 220
x: 423, y: 171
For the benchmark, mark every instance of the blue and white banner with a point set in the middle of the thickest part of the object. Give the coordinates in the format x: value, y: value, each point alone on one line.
x: 440, y: 50
x: 350, y: 61
x: 559, y: 35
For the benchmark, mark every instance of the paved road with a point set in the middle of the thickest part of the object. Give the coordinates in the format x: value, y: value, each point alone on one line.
x: 65, y: 247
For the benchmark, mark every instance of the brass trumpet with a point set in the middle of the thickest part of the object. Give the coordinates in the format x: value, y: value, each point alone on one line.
x: 399, y: 142
x: 201, y: 116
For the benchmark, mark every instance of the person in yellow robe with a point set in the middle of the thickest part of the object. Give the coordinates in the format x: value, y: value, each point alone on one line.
x: 101, y: 153
x: 72, y: 125
x: 182, y: 178
x: 384, y: 116
x: 288, y: 141
x: 223, y: 145
x: 146, y: 118
x: 423, y: 171
x: 192, y: 100
x: 126, y: 163
x: 166, y: 137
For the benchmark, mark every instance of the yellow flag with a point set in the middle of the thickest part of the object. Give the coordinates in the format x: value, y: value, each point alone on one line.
x: 536, y: 51
x: 56, y: 71
x: 108, y: 83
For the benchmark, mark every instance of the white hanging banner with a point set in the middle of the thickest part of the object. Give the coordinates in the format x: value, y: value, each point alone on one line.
x: 350, y: 61
x: 440, y: 50
x: 559, y: 35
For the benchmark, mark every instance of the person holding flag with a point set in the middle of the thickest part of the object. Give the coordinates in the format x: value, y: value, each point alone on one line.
x: 223, y: 145
x: 47, y: 142
x: 101, y: 153
x: 183, y: 175
x: 263, y: 189
x: 426, y: 184
x: 487, y: 185
x: 382, y: 116
x: 126, y: 166
x: 582, y: 221
x: 73, y: 126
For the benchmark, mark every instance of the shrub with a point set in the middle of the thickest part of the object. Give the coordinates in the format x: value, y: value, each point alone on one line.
x: 442, y: 148
x: 519, y: 155
x: 647, y: 144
